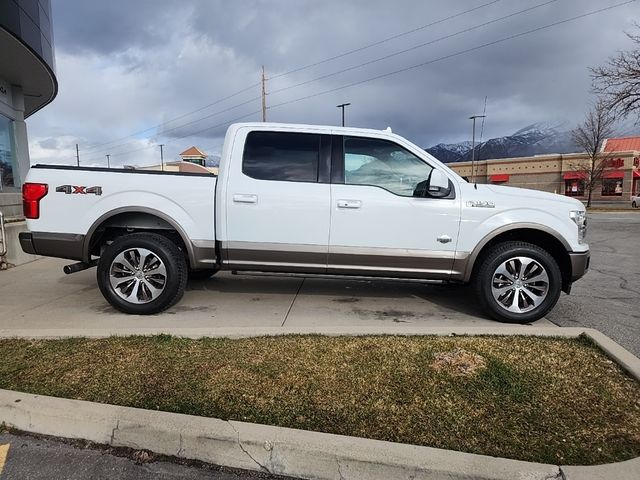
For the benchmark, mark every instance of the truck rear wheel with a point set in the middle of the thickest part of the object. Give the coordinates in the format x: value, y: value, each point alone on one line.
x: 518, y: 282
x: 142, y: 273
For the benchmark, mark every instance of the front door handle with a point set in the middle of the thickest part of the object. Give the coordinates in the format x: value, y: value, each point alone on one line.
x: 444, y: 239
x: 245, y: 198
x: 349, y: 204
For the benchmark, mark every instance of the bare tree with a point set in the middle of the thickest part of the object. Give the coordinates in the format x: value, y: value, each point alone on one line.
x: 618, y: 82
x: 590, y: 135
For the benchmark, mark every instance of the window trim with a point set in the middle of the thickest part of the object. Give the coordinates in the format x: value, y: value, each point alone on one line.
x: 338, y: 166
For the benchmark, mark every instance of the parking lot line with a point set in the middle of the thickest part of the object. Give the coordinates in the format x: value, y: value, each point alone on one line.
x: 4, y: 450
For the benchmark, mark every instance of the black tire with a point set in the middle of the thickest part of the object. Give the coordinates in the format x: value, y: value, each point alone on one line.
x: 171, y: 259
x: 499, y: 255
x: 201, y: 275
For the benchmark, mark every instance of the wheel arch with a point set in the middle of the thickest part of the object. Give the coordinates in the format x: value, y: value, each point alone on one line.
x: 137, y: 218
x: 540, y: 235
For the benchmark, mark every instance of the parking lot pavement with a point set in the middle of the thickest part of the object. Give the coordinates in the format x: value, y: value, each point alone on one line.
x: 608, y: 297
x: 38, y: 296
x: 32, y: 458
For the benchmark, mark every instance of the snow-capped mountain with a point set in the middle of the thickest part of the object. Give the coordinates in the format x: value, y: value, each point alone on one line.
x: 212, y: 161
x: 450, y: 152
x: 535, y: 139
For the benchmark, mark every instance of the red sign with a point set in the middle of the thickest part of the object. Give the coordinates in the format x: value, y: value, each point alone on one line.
x: 615, y: 163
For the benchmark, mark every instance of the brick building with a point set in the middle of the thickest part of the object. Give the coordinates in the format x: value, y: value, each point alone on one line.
x: 562, y: 174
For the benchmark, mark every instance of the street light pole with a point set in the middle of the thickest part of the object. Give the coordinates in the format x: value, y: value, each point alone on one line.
x: 341, y: 106
x: 161, y: 156
x: 473, y: 145
x: 108, y: 158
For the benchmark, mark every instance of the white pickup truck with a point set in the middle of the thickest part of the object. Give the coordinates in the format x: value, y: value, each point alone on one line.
x: 314, y: 200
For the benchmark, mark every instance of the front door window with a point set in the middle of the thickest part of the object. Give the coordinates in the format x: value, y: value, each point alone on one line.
x: 383, y: 164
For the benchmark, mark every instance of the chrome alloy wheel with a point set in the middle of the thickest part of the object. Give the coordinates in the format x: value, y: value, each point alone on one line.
x: 520, y: 284
x: 137, y: 275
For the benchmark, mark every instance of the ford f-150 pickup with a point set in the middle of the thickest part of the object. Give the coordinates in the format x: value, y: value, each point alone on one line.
x: 311, y: 200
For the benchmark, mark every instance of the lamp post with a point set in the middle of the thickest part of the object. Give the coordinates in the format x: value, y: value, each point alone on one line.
x: 341, y: 106
x: 473, y: 145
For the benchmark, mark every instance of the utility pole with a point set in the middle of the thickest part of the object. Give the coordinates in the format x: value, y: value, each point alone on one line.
x: 342, y: 105
x: 264, y: 96
x: 77, y: 155
x: 108, y: 155
x: 161, y: 156
x: 473, y: 145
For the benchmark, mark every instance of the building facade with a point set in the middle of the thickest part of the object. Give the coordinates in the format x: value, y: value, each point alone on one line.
x: 27, y: 81
x: 194, y: 155
x: 561, y: 174
x: 27, y: 84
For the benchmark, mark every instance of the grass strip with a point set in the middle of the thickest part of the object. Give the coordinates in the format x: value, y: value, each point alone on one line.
x: 550, y: 400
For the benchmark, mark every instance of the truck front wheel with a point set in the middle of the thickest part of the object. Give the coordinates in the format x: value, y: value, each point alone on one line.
x: 142, y: 273
x: 518, y: 282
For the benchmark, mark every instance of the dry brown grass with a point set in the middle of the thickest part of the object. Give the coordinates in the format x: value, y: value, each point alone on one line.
x: 539, y: 399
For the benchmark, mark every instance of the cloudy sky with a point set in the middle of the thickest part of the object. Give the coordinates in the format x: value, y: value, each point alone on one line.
x: 130, y: 72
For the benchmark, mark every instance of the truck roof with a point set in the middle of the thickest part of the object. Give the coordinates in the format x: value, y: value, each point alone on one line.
x: 316, y: 128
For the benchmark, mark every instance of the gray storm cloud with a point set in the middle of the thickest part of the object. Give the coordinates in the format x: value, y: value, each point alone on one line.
x: 126, y: 67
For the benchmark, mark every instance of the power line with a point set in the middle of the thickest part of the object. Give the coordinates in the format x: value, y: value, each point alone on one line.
x: 455, y: 54
x: 253, y: 99
x: 380, y: 42
x: 415, y: 47
x: 220, y: 100
x: 174, y: 139
x: 412, y: 67
x: 350, y: 52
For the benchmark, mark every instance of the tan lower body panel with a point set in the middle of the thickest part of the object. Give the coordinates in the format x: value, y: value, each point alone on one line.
x: 387, y: 262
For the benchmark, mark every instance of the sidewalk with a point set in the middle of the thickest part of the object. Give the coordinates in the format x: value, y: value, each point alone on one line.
x: 38, y: 297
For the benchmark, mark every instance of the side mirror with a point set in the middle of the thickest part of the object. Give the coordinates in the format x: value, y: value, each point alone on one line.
x: 436, y: 186
x: 439, y: 185
x: 438, y: 181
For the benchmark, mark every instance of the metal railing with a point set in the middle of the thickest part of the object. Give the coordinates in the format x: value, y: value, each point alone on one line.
x: 3, y: 237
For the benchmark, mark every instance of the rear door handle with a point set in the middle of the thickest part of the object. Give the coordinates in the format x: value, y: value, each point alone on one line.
x: 245, y: 198
x: 349, y: 204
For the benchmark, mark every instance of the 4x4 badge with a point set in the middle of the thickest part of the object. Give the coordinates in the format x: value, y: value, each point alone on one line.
x: 71, y: 189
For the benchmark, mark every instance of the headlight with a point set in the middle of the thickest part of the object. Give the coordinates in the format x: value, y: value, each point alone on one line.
x: 580, y: 219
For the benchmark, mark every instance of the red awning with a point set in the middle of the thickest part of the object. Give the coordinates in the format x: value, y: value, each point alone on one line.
x: 574, y: 176
x: 615, y: 174
x: 500, y: 177
x: 636, y: 174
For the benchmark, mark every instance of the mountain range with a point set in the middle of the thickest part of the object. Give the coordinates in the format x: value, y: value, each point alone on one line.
x: 535, y: 139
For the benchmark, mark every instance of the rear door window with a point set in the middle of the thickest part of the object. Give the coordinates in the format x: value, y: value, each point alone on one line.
x: 282, y: 156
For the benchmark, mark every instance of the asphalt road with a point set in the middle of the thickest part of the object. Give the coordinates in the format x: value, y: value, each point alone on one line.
x: 608, y: 297
x: 31, y: 458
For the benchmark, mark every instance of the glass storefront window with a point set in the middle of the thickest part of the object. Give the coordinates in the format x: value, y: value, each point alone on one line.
x: 611, y: 187
x: 6, y: 154
x: 574, y: 188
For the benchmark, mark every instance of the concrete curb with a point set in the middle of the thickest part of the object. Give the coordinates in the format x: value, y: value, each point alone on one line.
x: 293, y: 452
x: 256, y: 331
x: 277, y: 450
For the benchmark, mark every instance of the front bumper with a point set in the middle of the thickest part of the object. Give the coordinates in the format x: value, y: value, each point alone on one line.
x: 579, y: 264
x: 61, y: 245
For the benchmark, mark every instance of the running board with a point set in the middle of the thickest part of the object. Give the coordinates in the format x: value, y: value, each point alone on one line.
x: 327, y: 276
